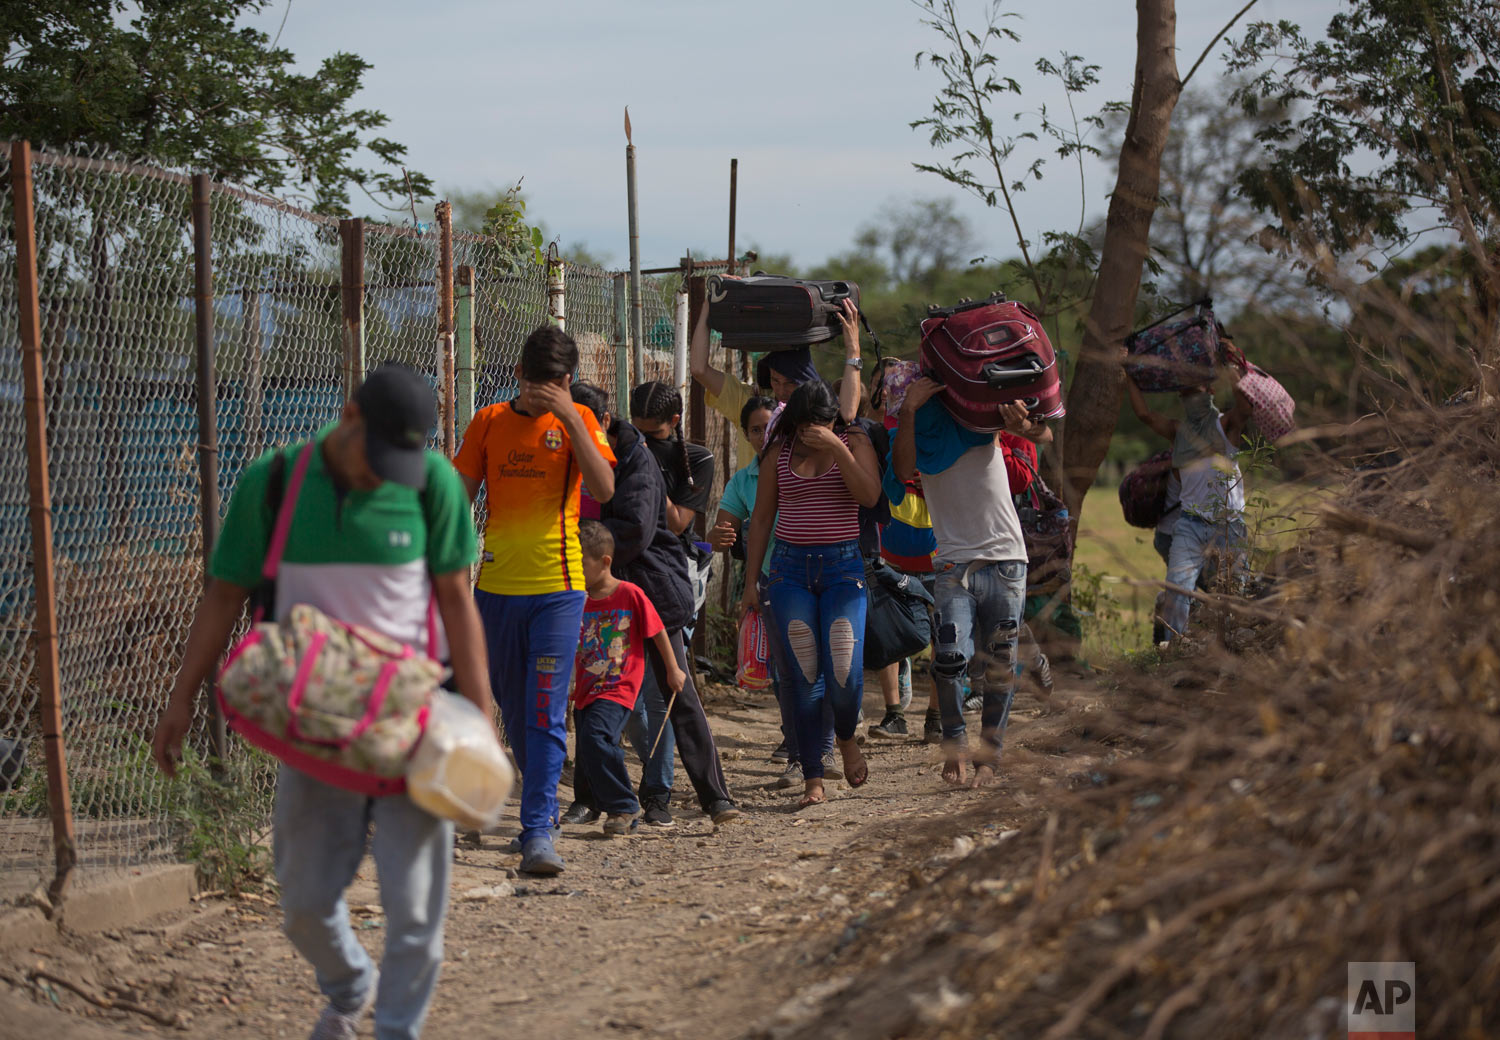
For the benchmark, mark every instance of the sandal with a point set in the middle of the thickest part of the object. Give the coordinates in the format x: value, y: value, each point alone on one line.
x: 856, y: 776
x: 811, y: 799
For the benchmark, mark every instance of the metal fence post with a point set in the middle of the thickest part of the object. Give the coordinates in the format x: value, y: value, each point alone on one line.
x: 622, y: 350
x: 208, y: 442
x: 352, y: 241
x: 463, y: 349
x: 447, y: 409
x: 59, y: 802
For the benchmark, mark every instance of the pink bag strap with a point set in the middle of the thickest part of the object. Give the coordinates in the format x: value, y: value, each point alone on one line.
x: 284, y: 514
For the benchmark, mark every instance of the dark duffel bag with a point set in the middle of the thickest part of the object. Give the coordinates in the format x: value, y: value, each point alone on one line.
x: 768, y: 312
x: 898, y: 620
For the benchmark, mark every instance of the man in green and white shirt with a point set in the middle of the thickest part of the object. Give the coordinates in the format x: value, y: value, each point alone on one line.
x: 381, y: 532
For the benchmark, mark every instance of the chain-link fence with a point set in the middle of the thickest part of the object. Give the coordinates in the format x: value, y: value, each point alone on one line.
x: 117, y: 295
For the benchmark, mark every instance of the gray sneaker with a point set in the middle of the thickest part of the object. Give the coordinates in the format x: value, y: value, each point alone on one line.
x: 791, y: 776
x: 334, y: 1024
x: 973, y: 704
x: 833, y: 766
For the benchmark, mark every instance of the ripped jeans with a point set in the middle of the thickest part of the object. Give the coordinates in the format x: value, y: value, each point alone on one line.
x: 977, y: 618
x: 817, y: 598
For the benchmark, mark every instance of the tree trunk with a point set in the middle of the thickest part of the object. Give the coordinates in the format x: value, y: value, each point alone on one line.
x: 1094, y: 398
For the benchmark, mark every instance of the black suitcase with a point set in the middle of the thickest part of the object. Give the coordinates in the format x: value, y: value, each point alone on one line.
x: 768, y: 312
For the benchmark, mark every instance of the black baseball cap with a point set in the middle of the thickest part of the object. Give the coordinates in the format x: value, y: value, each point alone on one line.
x: 399, y: 410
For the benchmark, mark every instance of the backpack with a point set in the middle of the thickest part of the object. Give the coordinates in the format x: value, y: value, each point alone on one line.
x: 1177, y: 355
x: 769, y: 312
x: 1143, y: 492
x: 343, y: 703
x: 989, y: 353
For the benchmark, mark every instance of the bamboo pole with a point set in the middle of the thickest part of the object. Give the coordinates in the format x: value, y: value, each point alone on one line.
x: 463, y: 349
x: 445, y: 372
x: 48, y: 674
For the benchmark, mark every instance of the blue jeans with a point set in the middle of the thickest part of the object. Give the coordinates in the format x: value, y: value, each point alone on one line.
x: 1193, y: 539
x: 818, y: 602
x: 532, y: 641
x: 978, y: 605
x: 601, y: 759
x: 319, y: 834
x: 648, y: 719
x: 786, y: 691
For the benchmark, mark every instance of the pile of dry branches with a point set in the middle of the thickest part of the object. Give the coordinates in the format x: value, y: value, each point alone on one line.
x: 1253, y: 822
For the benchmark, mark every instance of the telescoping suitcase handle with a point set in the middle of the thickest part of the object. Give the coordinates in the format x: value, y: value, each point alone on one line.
x: 966, y: 305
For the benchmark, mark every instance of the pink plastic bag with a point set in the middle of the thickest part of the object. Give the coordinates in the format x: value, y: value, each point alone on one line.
x: 754, y: 668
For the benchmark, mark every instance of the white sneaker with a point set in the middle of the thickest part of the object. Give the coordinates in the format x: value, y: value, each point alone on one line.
x: 334, y: 1024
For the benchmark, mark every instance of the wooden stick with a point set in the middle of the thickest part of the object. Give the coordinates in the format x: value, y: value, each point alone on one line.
x: 104, y: 1002
x: 1347, y: 520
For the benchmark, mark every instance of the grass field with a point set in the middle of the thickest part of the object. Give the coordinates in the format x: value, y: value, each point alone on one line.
x: 1116, y: 572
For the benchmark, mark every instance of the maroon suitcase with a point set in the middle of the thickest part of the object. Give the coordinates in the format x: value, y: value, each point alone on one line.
x: 987, y: 353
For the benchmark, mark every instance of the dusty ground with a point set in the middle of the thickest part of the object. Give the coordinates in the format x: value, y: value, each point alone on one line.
x: 689, y: 932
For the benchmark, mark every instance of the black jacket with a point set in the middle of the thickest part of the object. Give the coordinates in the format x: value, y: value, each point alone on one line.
x: 647, y: 553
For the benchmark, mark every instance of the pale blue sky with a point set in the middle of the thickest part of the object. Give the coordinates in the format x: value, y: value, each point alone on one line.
x: 813, y: 97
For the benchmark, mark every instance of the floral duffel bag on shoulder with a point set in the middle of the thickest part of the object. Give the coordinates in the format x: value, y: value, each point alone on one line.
x: 343, y: 703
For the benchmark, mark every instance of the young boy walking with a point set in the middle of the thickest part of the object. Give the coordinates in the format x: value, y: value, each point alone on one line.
x: 529, y: 455
x: 618, y: 620
x: 380, y: 531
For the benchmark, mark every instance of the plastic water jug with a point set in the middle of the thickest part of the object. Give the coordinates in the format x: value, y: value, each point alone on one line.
x: 459, y: 771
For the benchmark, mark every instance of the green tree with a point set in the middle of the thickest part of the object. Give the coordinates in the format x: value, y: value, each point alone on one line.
x: 1392, y: 129
x: 184, y: 83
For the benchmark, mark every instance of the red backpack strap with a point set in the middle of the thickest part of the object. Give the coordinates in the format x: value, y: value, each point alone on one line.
x: 284, y: 514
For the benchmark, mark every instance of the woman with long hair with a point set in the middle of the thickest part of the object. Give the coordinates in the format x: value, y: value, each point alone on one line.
x: 815, y: 475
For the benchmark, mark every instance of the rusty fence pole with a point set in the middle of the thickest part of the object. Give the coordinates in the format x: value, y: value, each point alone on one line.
x: 208, y: 441
x: 463, y: 349
x: 48, y: 676
x: 352, y: 251
x: 447, y: 409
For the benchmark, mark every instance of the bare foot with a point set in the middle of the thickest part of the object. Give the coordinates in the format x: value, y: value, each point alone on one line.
x: 984, y: 775
x: 812, y: 794
x: 856, y: 769
x: 953, y: 771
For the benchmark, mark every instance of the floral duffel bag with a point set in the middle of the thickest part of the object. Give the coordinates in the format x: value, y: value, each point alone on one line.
x: 343, y: 703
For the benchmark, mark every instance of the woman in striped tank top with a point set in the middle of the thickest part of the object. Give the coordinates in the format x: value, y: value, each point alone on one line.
x: 814, y: 476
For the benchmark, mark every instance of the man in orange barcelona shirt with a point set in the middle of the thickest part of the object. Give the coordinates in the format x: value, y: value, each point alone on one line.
x: 530, y: 454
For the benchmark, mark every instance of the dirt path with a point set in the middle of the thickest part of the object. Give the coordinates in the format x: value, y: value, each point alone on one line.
x: 688, y: 932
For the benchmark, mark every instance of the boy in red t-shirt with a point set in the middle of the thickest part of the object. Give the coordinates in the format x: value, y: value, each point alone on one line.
x: 617, y: 621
